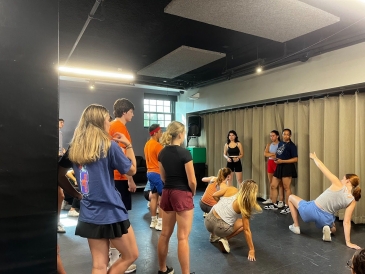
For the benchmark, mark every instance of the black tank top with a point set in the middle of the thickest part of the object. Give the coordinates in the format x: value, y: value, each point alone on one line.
x: 233, y: 151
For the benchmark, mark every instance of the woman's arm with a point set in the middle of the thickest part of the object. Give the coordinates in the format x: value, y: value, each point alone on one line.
x: 267, y: 153
x: 225, y: 153
x: 129, y: 152
x: 289, y: 161
x: 241, y: 150
x: 248, y: 237
x: 162, y: 172
x: 190, y: 173
x: 65, y: 184
x: 347, y: 225
x: 219, y: 193
x: 334, y: 180
x: 209, y: 179
x: 71, y: 175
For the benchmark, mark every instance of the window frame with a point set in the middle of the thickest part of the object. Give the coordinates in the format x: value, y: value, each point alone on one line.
x: 158, y: 97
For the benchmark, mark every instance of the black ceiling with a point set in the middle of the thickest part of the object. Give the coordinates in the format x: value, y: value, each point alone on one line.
x: 131, y: 34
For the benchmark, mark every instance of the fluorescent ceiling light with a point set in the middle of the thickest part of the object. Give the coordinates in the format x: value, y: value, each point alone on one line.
x: 96, y: 73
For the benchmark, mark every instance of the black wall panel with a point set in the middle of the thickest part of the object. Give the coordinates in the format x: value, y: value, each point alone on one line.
x: 28, y: 135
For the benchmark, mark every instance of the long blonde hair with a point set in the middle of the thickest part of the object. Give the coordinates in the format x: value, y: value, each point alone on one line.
x: 246, y: 198
x: 90, y: 140
x: 172, y: 131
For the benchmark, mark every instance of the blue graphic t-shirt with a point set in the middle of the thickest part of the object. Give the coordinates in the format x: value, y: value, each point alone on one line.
x: 101, y: 203
x: 286, y: 151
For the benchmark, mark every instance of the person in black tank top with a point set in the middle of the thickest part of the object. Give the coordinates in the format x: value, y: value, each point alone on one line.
x: 233, y: 152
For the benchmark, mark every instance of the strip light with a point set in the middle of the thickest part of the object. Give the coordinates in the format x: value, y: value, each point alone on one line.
x: 96, y: 73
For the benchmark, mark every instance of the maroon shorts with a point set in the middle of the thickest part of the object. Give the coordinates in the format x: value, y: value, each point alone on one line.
x: 176, y: 200
x: 271, y: 166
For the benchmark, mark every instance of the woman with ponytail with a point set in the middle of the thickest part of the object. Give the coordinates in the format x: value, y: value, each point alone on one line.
x: 342, y: 194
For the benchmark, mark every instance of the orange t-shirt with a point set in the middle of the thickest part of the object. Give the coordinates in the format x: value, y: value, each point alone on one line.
x: 151, y: 151
x: 208, y: 195
x: 118, y: 126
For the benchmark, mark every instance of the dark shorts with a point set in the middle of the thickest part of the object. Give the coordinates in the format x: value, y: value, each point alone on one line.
x: 146, y: 195
x: 206, y: 208
x: 310, y: 212
x: 285, y: 170
x: 122, y: 187
x: 156, y: 183
x: 271, y: 166
x: 235, y: 166
x: 109, y: 231
x: 176, y: 200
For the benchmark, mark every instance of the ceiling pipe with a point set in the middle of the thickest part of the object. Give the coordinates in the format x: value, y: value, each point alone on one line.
x: 89, y: 18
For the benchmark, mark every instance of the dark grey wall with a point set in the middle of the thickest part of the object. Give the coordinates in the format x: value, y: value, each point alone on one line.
x: 28, y: 135
x: 76, y: 96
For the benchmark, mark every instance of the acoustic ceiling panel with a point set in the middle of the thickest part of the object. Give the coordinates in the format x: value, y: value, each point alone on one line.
x: 180, y: 61
x: 278, y: 20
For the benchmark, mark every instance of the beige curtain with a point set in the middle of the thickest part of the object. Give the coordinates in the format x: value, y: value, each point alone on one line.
x: 332, y: 127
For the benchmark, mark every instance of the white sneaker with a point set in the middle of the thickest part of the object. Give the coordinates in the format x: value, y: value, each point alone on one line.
x: 73, y: 213
x: 158, y: 227
x: 60, y: 228
x: 271, y: 207
x: 286, y: 210
x: 280, y: 204
x: 294, y: 229
x: 213, y: 238
x: 224, y: 245
x: 326, y: 234
x: 131, y: 268
x: 205, y: 215
x: 153, y: 223
x: 268, y: 201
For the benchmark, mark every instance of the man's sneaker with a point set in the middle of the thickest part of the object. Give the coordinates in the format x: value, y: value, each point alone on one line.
x: 268, y: 201
x: 213, y: 238
x: 280, y: 204
x: 294, y: 229
x: 73, y: 213
x: 224, y: 245
x: 285, y: 210
x: 271, y: 207
x: 169, y: 270
x: 131, y: 268
x: 158, y: 227
x: 60, y: 228
x: 326, y: 234
x: 153, y: 223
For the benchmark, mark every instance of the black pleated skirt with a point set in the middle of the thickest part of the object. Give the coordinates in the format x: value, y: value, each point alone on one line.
x: 109, y: 231
x: 285, y: 170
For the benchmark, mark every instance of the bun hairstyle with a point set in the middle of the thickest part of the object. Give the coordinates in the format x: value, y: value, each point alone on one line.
x: 246, y: 198
x: 358, y: 262
x: 172, y: 131
x: 235, y: 139
x: 222, y: 175
x: 355, y: 182
x: 277, y: 134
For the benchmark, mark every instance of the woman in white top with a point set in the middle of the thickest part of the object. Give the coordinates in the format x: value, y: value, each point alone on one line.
x: 231, y: 215
x: 342, y: 194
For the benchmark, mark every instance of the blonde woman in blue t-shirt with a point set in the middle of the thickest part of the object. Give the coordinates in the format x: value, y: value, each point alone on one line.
x: 342, y: 194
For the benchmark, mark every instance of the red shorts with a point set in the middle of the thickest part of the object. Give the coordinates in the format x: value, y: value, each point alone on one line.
x: 176, y: 200
x: 271, y: 166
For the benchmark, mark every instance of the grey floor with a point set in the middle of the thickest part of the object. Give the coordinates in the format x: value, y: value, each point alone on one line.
x: 277, y: 249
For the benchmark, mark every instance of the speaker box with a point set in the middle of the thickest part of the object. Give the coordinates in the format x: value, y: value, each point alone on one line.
x: 194, y: 126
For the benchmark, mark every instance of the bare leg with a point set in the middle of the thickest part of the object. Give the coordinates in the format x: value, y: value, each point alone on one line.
x: 184, y: 222
x: 238, y: 228
x: 61, y: 196
x: 270, y: 176
x: 99, y: 253
x: 60, y: 268
x: 281, y: 194
x: 153, y: 203
x: 239, y: 178
x: 168, y: 225
x: 286, y: 184
x: 274, y: 189
x: 293, y: 203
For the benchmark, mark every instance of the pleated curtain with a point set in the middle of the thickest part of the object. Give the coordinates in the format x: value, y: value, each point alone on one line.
x: 333, y: 127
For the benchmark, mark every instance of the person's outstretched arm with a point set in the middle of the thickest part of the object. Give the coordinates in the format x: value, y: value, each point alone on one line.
x: 248, y: 237
x: 209, y: 179
x: 347, y: 225
x: 334, y: 180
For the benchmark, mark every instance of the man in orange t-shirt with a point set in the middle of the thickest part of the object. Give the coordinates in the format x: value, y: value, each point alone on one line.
x: 123, y: 113
x: 151, y: 151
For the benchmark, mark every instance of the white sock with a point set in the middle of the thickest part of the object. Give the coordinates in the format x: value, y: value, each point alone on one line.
x: 114, y: 254
x: 153, y: 218
x: 159, y: 220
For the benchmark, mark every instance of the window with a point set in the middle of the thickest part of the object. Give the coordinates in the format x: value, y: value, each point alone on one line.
x: 158, y: 110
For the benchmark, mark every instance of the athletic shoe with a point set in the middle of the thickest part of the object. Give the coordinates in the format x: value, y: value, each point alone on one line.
x: 73, y: 213
x: 169, y: 270
x: 205, y: 215
x: 280, y: 204
x: 224, y: 245
x: 285, y: 210
x: 326, y: 234
x: 158, y: 227
x: 153, y: 223
x: 131, y: 268
x: 148, y: 204
x: 294, y: 229
x: 268, y: 201
x: 213, y: 238
x: 60, y: 228
x: 271, y: 207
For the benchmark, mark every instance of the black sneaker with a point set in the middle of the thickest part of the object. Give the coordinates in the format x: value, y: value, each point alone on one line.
x: 271, y: 207
x: 169, y: 270
x: 285, y: 210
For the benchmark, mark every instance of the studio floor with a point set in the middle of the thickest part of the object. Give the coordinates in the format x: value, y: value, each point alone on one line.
x: 278, y: 250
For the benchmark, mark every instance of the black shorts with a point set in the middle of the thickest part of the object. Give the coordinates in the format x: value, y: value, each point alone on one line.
x: 204, y: 207
x: 109, y: 231
x: 285, y: 170
x: 235, y: 166
x: 146, y: 195
x: 122, y: 186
